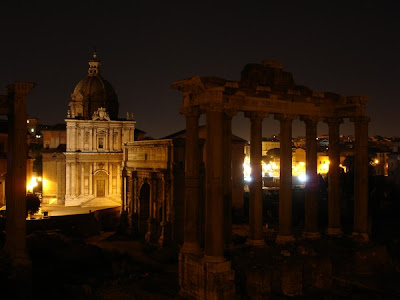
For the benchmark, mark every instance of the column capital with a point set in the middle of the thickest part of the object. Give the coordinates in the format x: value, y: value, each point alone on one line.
x: 360, y: 119
x: 230, y: 113
x: 283, y: 117
x: 333, y: 120
x: 190, y: 111
x: 255, y: 114
x: 312, y: 120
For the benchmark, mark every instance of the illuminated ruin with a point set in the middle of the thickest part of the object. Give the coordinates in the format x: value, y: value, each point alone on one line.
x: 263, y: 90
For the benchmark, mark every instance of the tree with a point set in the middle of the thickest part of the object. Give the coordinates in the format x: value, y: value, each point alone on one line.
x: 32, y: 204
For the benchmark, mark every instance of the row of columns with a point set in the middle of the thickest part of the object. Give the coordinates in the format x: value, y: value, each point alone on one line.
x: 218, y: 180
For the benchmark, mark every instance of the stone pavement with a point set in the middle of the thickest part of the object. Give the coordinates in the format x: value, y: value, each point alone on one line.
x: 88, y: 207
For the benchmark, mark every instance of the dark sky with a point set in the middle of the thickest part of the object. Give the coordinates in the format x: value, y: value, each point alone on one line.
x: 348, y: 47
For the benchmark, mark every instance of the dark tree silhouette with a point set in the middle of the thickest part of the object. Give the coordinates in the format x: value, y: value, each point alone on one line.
x: 32, y: 204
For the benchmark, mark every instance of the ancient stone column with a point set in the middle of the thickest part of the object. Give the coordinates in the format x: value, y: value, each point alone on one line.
x: 192, y: 184
x: 334, y: 223
x: 134, y: 206
x: 214, y: 214
x: 124, y: 192
x: 285, y: 186
x: 361, y: 177
x: 15, y: 244
x: 256, y: 201
x: 311, y: 195
x: 162, y: 238
x: 227, y: 179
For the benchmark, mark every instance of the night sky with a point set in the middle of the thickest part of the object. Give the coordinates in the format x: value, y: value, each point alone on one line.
x: 349, y: 47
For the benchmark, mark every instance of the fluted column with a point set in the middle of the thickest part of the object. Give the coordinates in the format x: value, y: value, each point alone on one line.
x: 311, y: 195
x: 334, y: 223
x: 227, y: 179
x: 214, y: 209
x: 256, y: 201
x: 361, y: 177
x: 285, y: 185
x: 192, y: 183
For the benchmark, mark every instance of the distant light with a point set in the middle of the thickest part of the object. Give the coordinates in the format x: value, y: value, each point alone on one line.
x: 376, y: 161
x: 302, y: 177
x: 248, y: 179
x: 32, y: 130
x: 27, y: 121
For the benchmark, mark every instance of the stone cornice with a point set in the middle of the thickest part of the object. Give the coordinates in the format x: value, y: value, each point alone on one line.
x: 255, y: 93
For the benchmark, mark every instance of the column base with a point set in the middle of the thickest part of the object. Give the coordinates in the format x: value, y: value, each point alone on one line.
x: 213, y: 259
x: 190, y: 248
x: 255, y: 243
x: 284, y: 239
x: 361, y: 237
x: 333, y: 231
x: 205, y: 279
x: 311, y: 235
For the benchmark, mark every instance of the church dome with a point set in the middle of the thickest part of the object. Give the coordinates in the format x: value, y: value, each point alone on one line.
x: 93, y: 92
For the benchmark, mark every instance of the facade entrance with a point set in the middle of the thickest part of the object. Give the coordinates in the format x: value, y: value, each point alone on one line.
x: 101, y: 188
x: 101, y: 184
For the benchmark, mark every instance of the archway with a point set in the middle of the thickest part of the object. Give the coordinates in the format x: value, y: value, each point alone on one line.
x: 101, y: 184
x: 144, y: 212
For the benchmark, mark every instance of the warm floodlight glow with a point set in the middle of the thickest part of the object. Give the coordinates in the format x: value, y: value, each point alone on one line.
x: 32, y: 183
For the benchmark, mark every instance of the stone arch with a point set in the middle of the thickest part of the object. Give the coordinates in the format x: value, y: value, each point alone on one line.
x: 144, y: 207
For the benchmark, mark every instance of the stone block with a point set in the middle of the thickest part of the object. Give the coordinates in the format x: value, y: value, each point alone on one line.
x: 368, y: 260
x: 205, y: 280
x: 318, y: 273
x: 258, y: 283
x: 292, y: 278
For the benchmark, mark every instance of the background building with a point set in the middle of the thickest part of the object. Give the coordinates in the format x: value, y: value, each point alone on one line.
x: 82, y: 164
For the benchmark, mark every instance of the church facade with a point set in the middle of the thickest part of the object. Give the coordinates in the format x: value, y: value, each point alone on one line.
x: 92, y: 158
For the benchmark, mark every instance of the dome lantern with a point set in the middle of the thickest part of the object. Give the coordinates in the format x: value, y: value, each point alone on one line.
x: 94, y: 65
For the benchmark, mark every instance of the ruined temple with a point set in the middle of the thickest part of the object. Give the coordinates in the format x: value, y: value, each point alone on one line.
x: 264, y: 89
